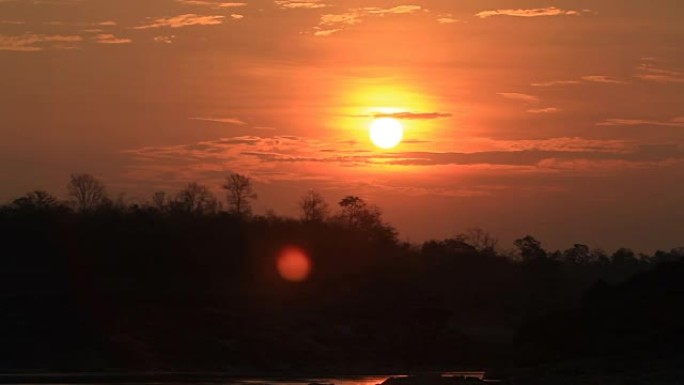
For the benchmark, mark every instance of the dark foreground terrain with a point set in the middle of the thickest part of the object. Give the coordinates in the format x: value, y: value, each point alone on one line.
x: 147, y: 289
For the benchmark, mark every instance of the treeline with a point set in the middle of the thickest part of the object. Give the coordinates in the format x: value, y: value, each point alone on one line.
x: 186, y: 282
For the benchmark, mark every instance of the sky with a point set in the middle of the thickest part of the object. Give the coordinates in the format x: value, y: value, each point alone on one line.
x: 560, y: 119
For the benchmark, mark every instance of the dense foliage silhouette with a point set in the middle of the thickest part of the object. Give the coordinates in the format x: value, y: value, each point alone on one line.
x: 180, y: 284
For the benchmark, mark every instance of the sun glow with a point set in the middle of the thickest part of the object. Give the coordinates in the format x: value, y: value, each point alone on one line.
x: 293, y: 264
x: 386, y: 132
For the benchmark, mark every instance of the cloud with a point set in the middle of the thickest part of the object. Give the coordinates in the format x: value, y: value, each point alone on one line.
x: 108, y: 38
x: 447, y: 18
x: 649, y: 72
x: 235, y: 121
x: 349, y: 18
x: 552, y: 83
x: 530, y: 12
x: 300, y: 4
x: 213, y: 4
x: 105, y: 23
x: 335, y: 22
x: 166, y: 39
x: 412, y: 115
x: 399, y: 9
x: 273, y: 158
x: 563, y: 144
x: 676, y: 122
x: 601, y: 79
x: 540, y: 159
x: 36, y: 42
x: 326, y: 32
x: 185, y: 20
x: 520, y: 97
x: 584, y: 79
x: 547, y: 110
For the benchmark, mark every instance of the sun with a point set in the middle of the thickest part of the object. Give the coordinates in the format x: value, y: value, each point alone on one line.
x: 386, y: 132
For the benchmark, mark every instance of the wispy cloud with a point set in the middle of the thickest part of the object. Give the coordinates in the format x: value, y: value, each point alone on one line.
x: 399, y: 9
x: 300, y: 4
x: 166, y: 39
x: 213, y: 4
x: 552, y: 83
x: 601, y: 79
x: 108, y: 38
x: 649, y: 72
x: 235, y: 121
x: 271, y: 158
x: 675, y: 122
x: 185, y: 20
x: 563, y: 144
x: 335, y: 22
x: 584, y: 79
x: 529, y: 12
x: 326, y: 32
x: 412, y: 115
x: 447, y: 18
x: 106, y: 23
x: 37, y: 42
x: 519, y: 97
x: 547, y: 110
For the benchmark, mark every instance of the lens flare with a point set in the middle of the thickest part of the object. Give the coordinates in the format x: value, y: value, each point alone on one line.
x: 293, y: 264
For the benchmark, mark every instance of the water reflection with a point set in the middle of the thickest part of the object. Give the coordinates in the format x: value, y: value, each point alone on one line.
x: 363, y: 380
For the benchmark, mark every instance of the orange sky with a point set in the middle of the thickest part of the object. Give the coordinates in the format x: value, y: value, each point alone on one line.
x: 562, y: 119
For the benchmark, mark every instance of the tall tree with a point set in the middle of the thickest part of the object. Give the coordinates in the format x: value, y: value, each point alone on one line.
x: 530, y: 249
x: 481, y: 240
x: 160, y: 200
x: 86, y: 191
x: 195, y: 199
x: 313, y: 206
x: 240, y: 192
x: 357, y: 214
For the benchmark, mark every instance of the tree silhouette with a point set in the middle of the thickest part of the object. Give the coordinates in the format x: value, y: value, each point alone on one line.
x: 481, y: 240
x: 357, y: 213
x: 87, y: 192
x: 578, y: 254
x: 160, y: 200
x: 36, y: 200
x: 530, y: 249
x: 180, y: 287
x: 313, y: 206
x: 239, y: 193
x: 195, y: 199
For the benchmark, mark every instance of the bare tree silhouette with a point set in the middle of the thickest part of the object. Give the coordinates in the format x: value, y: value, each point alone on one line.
x: 313, y: 206
x: 195, y: 199
x: 478, y: 238
x: 38, y: 200
x: 87, y: 192
x: 160, y: 200
x: 239, y: 193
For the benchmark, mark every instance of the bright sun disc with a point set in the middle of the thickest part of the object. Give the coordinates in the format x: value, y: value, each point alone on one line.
x: 386, y: 132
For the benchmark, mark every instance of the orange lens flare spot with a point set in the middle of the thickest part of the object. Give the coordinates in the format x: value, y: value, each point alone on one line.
x: 293, y: 264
